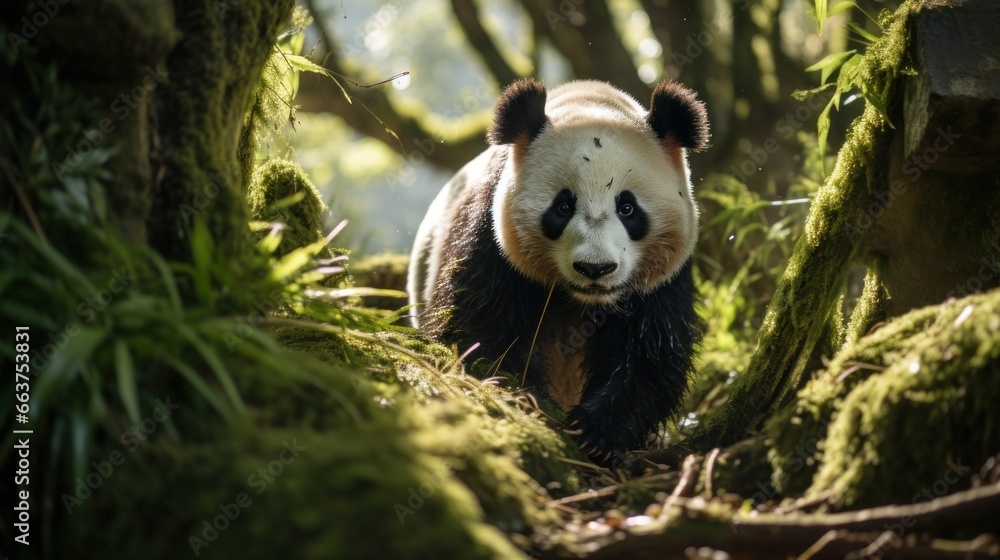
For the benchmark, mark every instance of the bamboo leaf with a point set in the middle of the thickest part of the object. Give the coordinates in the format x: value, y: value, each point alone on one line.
x: 68, y: 269
x: 302, y: 64
x: 80, y: 436
x: 202, y: 388
x: 358, y: 292
x: 127, y: 387
x: 823, y: 128
x: 63, y: 367
x: 820, y: 14
x: 830, y: 64
x: 169, y: 282
x: 295, y: 261
x: 290, y: 200
x: 214, y: 362
x: 201, y: 256
x: 849, y: 72
x: 270, y: 242
x: 866, y: 37
x: 839, y: 8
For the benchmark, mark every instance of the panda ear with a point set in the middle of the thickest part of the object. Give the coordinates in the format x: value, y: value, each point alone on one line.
x: 519, y: 113
x: 676, y: 112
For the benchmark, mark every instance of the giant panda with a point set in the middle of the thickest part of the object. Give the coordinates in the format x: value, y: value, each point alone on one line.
x: 582, y: 207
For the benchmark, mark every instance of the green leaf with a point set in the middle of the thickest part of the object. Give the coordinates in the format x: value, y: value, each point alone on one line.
x: 81, y: 432
x: 820, y: 14
x: 360, y: 292
x: 295, y: 261
x: 849, y: 72
x: 64, y: 366
x: 201, y: 256
x: 270, y: 242
x: 206, y: 392
x: 127, y: 387
x: 839, y: 8
x: 27, y: 315
x: 866, y: 37
x: 169, y: 282
x: 68, y: 269
x: 290, y: 200
x: 830, y: 64
x: 214, y: 362
x: 398, y: 314
x: 823, y: 128
x: 302, y: 64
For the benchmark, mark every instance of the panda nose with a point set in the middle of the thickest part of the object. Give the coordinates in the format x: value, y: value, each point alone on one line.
x: 594, y: 270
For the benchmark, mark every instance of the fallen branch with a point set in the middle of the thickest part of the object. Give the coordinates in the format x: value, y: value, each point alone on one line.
x: 822, y: 535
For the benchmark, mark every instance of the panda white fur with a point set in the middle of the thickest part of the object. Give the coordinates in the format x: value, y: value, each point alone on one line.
x: 584, y: 189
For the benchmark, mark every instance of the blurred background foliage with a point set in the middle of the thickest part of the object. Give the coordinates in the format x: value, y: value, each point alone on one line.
x: 380, y: 160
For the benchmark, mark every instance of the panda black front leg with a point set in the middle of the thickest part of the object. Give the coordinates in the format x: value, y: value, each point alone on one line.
x: 638, y: 366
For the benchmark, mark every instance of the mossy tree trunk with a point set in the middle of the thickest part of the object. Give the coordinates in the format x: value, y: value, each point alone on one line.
x: 168, y: 83
x: 926, y: 234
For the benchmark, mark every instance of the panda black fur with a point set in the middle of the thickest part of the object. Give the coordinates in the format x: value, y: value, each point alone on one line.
x: 585, y: 188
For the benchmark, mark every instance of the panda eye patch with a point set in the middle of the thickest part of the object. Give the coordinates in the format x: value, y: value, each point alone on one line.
x: 632, y: 216
x: 557, y: 216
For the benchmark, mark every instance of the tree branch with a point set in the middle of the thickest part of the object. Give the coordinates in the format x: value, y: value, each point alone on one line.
x: 468, y: 19
x: 780, y: 536
x: 589, y: 42
x: 450, y: 150
x: 614, y: 60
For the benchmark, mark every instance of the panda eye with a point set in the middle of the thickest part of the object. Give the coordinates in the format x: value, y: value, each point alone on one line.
x: 626, y: 209
x: 564, y: 209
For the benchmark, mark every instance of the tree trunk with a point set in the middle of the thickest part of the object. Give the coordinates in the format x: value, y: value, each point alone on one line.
x: 170, y: 105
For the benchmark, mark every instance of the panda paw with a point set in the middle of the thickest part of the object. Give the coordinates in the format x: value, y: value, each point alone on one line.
x: 597, y: 441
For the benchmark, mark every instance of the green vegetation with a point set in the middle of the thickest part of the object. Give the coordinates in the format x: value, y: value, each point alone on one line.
x: 804, y: 318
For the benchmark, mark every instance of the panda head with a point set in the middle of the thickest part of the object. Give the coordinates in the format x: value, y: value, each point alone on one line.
x: 597, y: 194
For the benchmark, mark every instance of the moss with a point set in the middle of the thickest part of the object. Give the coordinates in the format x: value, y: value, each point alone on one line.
x: 383, y: 271
x: 496, y: 444
x: 277, y: 180
x: 891, y: 409
x: 740, y: 469
x: 417, y: 460
x: 942, y: 366
x: 797, y: 431
x: 213, y: 74
x: 354, y: 492
x: 800, y: 321
x: 869, y: 310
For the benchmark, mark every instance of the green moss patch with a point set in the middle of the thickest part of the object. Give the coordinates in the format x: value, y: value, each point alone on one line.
x: 281, y: 192
x: 909, y: 406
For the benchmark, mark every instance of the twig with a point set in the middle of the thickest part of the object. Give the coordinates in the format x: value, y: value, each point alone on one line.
x: 684, y: 485
x: 586, y: 495
x: 802, y: 505
x: 531, y: 348
x: 25, y: 204
x: 818, y: 546
x: 709, y: 468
